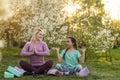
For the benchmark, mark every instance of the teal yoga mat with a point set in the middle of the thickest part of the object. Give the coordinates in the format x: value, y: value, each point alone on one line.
x: 14, y: 71
x: 8, y: 75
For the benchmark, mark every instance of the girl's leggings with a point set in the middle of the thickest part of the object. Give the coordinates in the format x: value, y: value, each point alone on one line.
x: 71, y: 70
x: 36, y: 69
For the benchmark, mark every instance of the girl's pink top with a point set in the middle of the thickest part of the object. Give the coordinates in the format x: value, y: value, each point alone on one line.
x: 36, y: 59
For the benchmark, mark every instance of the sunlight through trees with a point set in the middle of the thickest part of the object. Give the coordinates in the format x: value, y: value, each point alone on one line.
x: 86, y: 20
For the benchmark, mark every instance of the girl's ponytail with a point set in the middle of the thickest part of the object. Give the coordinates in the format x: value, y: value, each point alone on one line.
x: 75, y: 45
x: 65, y: 53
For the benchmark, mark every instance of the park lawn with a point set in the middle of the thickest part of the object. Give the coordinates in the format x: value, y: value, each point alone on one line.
x: 99, y: 70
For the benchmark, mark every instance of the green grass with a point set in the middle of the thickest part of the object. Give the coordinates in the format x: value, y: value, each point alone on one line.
x: 99, y: 70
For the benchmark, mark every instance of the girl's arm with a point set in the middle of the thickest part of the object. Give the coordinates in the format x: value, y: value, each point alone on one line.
x: 46, y: 51
x: 82, y: 58
x: 58, y: 55
x: 25, y: 52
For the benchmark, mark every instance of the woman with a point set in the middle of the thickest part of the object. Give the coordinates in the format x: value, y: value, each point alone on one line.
x: 36, y: 49
x: 71, y: 57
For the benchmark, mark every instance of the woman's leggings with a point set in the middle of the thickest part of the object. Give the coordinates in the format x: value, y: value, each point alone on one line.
x: 36, y: 69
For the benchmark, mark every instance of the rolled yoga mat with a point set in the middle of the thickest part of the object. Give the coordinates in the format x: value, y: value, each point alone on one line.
x: 20, y: 70
x: 14, y: 71
x: 8, y: 75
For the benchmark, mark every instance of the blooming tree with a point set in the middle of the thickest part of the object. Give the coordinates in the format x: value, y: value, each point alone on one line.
x: 47, y: 16
x: 11, y: 26
x: 92, y: 25
x: 4, y: 9
x: 85, y: 20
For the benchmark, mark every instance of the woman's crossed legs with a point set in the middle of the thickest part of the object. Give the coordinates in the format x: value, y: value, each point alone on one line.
x: 36, y: 69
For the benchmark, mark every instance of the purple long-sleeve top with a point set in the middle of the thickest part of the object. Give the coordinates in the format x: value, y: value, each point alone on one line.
x: 36, y: 59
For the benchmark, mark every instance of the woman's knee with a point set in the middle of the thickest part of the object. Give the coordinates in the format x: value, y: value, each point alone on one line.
x: 49, y: 63
x: 21, y: 62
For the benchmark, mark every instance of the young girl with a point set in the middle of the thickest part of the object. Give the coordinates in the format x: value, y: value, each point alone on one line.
x: 36, y: 49
x: 71, y: 57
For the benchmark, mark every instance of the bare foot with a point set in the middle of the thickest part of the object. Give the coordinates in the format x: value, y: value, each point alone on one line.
x: 77, y: 74
x: 59, y: 73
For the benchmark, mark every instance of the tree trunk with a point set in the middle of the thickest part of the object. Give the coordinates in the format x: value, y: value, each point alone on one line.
x: 11, y: 41
x: 9, y: 38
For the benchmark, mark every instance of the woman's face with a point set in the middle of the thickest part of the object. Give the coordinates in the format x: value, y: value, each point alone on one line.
x: 69, y: 43
x: 39, y: 35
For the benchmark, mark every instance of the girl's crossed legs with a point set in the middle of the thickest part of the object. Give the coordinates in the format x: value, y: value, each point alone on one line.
x: 70, y: 70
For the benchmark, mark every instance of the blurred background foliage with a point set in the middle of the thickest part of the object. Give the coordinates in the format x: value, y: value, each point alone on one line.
x: 86, y: 20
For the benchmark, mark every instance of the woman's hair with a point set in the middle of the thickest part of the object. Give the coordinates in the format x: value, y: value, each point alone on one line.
x: 73, y: 40
x: 36, y: 31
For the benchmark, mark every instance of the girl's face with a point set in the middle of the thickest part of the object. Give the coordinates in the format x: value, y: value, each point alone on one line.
x: 69, y: 43
x: 39, y: 36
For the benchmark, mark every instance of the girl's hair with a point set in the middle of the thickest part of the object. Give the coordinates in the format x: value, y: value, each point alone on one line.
x: 36, y: 31
x: 73, y: 40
